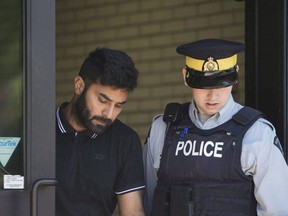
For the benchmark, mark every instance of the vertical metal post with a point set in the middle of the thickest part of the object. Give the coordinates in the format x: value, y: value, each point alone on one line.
x: 266, y: 61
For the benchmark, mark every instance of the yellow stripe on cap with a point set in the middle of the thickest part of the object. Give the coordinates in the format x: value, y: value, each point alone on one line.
x: 224, y: 64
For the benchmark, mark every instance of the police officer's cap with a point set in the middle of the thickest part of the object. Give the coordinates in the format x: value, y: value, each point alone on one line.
x: 211, y: 63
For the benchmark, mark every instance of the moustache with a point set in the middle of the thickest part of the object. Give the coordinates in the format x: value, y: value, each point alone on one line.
x: 101, y: 119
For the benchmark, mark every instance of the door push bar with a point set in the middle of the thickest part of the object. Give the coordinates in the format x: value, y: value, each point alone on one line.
x: 34, y: 191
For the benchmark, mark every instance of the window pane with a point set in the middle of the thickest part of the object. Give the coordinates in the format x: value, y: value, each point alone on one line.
x: 11, y: 89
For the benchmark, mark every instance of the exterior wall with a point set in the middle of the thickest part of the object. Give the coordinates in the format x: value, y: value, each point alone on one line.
x: 149, y: 31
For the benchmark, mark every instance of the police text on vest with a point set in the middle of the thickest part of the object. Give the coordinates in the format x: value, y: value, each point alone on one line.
x: 208, y: 149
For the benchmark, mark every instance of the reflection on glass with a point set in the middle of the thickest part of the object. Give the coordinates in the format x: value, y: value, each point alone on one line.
x: 11, y: 89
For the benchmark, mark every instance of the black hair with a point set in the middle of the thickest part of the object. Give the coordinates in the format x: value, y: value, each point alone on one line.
x: 111, y: 68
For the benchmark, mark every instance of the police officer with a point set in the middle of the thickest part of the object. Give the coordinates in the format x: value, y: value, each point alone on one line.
x: 213, y: 156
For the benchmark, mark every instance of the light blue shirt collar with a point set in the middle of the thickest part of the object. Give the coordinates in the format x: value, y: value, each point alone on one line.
x: 218, y: 118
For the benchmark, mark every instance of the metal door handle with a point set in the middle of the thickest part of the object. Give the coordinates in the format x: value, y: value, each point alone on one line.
x: 34, y: 191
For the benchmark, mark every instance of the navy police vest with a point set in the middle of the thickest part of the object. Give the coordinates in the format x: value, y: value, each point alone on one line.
x: 200, y: 170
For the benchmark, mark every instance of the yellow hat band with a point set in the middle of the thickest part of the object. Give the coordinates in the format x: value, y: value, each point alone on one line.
x: 210, y: 64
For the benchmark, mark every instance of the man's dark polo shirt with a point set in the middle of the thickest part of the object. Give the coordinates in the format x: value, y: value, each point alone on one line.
x: 92, y: 170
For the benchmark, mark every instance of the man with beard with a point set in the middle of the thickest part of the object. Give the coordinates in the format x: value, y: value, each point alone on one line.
x: 98, y: 158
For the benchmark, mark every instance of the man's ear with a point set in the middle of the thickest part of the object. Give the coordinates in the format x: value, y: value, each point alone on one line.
x: 79, y: 85
x: 184, y: 71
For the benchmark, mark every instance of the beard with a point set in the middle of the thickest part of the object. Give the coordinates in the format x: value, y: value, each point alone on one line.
x: 85, y: 117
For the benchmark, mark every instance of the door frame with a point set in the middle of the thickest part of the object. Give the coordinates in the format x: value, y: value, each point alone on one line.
x: 40, y: 102
x: 39, y: 114
x: 266, y: 84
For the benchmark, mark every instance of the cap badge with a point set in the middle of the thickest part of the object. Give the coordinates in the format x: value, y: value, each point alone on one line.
x: 210, y: 65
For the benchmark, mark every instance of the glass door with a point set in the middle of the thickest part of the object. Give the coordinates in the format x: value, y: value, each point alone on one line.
x: 11, y: 97
x: 27, y: 108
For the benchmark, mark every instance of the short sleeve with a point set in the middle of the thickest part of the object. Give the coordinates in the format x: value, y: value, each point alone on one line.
x: 131, y: 173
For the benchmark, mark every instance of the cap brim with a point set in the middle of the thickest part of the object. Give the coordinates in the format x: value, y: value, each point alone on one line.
x: 204, y: 82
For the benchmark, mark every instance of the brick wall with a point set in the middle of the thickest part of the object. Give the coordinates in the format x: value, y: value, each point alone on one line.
x: 149, y: 31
